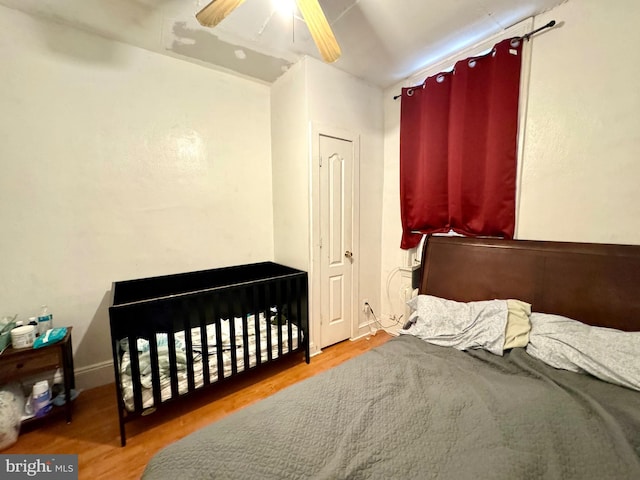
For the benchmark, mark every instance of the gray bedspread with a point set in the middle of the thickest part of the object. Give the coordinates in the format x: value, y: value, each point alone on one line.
x: 411, y: 410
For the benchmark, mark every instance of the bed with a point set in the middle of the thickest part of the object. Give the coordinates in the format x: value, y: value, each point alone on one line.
x: 417, y: 409
x: 175, y: 335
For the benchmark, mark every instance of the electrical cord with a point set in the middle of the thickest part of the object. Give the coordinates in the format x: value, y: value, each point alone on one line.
x: 375, y: 318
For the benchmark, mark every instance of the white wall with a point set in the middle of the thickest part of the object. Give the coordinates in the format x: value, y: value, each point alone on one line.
x: 118, y: 163
x: 581, y: 136
x: 290, y: 158
x: 582, y: 139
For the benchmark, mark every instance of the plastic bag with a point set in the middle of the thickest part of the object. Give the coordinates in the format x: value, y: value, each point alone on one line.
x: 11, y: 406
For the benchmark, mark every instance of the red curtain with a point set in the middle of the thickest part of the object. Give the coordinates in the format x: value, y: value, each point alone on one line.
x: 458, y: 143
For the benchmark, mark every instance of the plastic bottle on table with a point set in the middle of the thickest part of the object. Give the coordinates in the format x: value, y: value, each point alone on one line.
x: 45, y: 320
x: 41, y: 398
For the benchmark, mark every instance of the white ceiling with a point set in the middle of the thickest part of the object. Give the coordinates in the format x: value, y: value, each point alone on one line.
x: 382, y: 41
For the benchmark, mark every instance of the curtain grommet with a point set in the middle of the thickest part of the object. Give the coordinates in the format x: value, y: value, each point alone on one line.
x: 515, y: 42
x: 472, y: 63
x: 410, y: 92
x: 440, y: 78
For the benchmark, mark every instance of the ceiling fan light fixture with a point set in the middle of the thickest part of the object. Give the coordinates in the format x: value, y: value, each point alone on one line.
x: 286, y: 8
x: 217, y: 10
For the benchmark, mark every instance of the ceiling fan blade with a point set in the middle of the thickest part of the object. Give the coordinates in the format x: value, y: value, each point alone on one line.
x: 216, y: 11
x: 320, y: 30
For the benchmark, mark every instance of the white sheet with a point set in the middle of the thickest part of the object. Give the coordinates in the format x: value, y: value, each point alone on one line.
x: 465, y: 326
x: 181, y: 357
x: 608, y: 354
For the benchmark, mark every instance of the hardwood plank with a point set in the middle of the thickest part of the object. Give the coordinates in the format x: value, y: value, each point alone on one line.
x: 94, y: 433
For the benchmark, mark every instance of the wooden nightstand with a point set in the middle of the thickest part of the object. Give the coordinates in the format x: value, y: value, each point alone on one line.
x: 18, y: 363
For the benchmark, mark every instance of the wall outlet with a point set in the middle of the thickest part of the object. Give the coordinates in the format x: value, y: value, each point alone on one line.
x: 365, y: 306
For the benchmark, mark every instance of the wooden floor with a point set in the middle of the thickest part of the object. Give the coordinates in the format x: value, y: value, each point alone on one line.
x: 94, y: 432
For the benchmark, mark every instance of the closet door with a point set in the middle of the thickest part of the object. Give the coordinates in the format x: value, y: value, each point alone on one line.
x: 336, y: 234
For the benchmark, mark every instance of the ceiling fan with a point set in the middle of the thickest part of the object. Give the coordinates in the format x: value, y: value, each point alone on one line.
x: 217, y: 10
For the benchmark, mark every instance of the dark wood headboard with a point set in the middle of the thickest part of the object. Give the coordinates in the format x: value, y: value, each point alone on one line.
x: 598, y: 284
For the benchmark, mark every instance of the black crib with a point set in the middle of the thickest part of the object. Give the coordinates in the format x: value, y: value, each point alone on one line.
x: 154, y: 322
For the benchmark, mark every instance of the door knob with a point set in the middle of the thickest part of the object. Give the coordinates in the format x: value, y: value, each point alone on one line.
x: 348, y: 254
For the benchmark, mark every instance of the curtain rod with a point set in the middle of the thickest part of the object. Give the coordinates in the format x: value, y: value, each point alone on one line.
x: 525, y: 37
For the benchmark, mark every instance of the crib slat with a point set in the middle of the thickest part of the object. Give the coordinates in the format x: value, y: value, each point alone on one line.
x: 135, y: 372
x: 173, y: 362
x: 204, y: 340
x: 257, y: 313
x: 268, y: 317
x: 188, y: 310
x: 299, y: 315
x: 289, y: 318
x: 242, y: 297
x: 279, y: 303
x: 155, y: 370
x: 117, y: 350
x: 219, y: 353
x: 294, y: 313
x: 232, y: 331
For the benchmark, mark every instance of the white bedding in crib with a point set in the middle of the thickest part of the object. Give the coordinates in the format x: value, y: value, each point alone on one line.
x: 181, y: 356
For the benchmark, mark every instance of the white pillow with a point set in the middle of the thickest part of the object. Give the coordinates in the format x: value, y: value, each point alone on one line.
x: 465, y: 326
x: 608, y: 354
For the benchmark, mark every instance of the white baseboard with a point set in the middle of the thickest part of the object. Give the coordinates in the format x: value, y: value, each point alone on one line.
x: 94, y: 375
x: 314, y: 349
x: 365, y: 329
x: 362, y: 335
